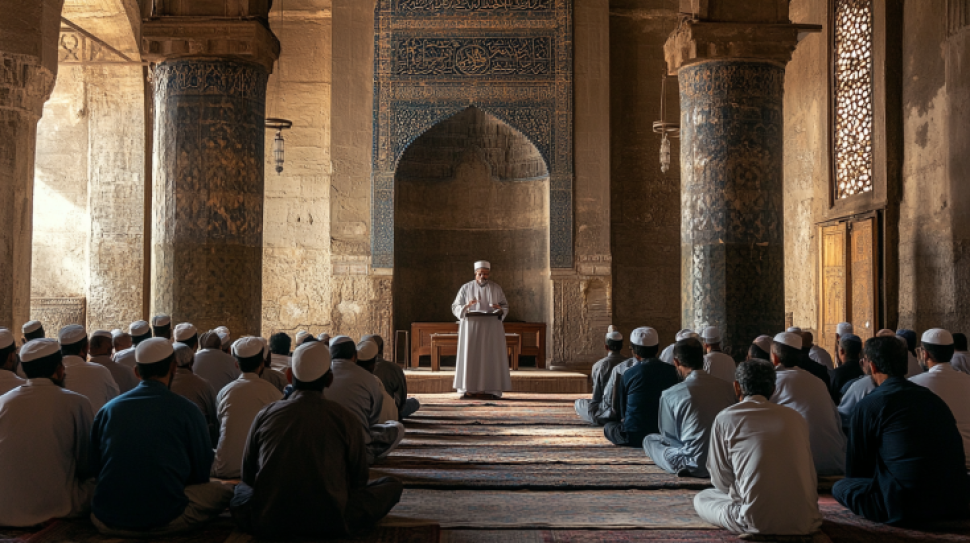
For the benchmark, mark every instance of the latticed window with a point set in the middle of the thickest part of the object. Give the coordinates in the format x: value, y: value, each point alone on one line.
x: 853, y: 97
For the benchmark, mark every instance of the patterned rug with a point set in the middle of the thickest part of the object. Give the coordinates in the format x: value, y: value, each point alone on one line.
x: 586, y: 536
x: 522, y: 455
x: 421, y: 429
x: 840, y: 524
x: 505, y: 441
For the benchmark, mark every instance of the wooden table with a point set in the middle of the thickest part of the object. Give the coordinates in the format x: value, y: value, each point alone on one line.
x: 447, y: 345
x: 532, y: 340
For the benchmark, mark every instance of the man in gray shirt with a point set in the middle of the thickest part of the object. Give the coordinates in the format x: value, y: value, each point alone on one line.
x: 195, y: 389
x: 395, y: 383
x: 593, y: 410
x: 214, y: 365
x: 687, y: 412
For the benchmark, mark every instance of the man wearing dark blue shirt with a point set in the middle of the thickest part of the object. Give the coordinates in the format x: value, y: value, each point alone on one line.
x: 638, y: 390
x: 905, y: 460
x: 151, y: 453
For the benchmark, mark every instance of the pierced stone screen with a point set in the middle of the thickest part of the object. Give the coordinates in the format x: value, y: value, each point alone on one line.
x: 853, y: 97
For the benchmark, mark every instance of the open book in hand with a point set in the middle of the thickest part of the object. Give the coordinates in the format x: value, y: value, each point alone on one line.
x: 487, y: 313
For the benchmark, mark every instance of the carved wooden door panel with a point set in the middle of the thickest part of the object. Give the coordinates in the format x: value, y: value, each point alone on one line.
x: 863, y: 273
x: 833, y: 289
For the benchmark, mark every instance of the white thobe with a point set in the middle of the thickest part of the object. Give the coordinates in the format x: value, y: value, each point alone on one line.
x: 807, y: 394
x: 483, y: 364
x: 126, y: 357
x: 44, y: 442
x: 821, y: 356
x: 280, y: 362
x: 357, y: 390
x: 9, y: 381
x: 237, y: 406
x: 388, y: 407
x: 961, y: 361
x: 760, y: 462
x: 720, y: 365
x: 91, y: 380
x: 216, y: 367
x: 954, y: 387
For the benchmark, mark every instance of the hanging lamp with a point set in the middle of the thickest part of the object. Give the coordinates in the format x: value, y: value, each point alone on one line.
x: 273, y: 123
x: 662, y: 127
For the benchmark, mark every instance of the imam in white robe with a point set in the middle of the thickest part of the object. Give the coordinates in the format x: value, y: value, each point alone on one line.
x: 954, y: 388
x: 807, y: 394
x: 483, y: 364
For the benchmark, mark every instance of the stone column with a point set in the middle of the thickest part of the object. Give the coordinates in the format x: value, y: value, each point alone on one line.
x: 28, y: 68
x: 732, y: 232
x: 207, y: 216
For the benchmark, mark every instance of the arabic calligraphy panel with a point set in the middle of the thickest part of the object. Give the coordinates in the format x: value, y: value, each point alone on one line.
x: 472, y: 57
x: 436, y: 7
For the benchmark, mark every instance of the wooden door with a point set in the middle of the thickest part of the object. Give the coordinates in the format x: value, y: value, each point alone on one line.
x: 834, y: 274
x: 864, y: 306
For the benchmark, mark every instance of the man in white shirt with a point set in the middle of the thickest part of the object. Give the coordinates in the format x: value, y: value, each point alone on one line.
x: 961, y: 358
x: 139, y: 332
x: 32, y: 330
x: 816, y: 353
x: 593, y: 409
x: 806, y: 394
x: 46, y: 429
x: 93, y: 381
x: 238, y: 404
x: 8, y: 363
x: 842, y: 329
x: 367, y: 359
x: 716, y: 362
x: 162, y: 326
x: 947, y: 383
x: 760, y: 463
x: 100, y: 351
x: 120, y: 341
x: 359, y: 392
x: 214, y: 365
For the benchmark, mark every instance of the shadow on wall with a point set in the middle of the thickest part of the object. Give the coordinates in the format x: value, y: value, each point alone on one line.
x: 471, y: 188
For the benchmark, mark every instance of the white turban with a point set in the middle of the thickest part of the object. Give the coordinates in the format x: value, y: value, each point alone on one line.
x: 483, y: 264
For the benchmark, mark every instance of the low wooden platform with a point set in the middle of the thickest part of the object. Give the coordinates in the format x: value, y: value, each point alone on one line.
x: 424, y: 381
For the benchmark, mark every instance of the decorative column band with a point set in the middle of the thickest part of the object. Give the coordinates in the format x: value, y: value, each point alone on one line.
x: 25, y: 85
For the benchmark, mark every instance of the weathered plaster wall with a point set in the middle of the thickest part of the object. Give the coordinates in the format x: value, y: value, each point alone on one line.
x: 644, y: 202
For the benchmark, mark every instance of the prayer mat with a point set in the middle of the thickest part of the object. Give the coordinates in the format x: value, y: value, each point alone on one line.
x: 437, y: 441
x: 522, y: 455
x: 509, y: 397
x: 491, y: 419
x: 670, y: 509
x: 840, y: 524
x: 585, y: 431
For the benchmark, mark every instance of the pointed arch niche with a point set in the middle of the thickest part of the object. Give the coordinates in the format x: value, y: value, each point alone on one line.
x: 470, y: 188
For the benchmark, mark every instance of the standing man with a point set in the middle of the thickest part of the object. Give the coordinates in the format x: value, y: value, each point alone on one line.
x: 593, y: 410
x: 482, y: 367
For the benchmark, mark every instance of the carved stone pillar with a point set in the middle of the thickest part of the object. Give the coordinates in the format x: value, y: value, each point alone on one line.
x: 28, y: 67
x: 732, y: 78
x: 207, y: 223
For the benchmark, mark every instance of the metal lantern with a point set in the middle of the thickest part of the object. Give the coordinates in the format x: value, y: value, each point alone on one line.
x: 279, y: 125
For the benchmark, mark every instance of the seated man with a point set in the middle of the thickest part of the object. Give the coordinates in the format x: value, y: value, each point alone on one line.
x: 8, y: 363
x: 667, y: 355
x: 238, y: 404
x: 162, y: 326
x: 760, y: 348
x: 367, y: 359
x: 120, y: 341
x: 850, y: 349
x: 45, y: 430
x: 214, y: 365
x: 952, y: 386
x: 195, y: 389
x: 151, y: 456
x: 841, y: 329
x: 687, y: 411
x: 273, y: 377
x: 100, y: 351
x: 760, y: 463
x: 806, y: 363
x: 395, y: 383
x: 592, y: 410
x: 814, y: 352
x: 716, y: 363
x: 305, y: 470
x: 139, y: 331
x: 961, y: 358
x: 801, y: 391
x: 905, y: 460
x: 637, y: 391
x: 356, y: 390
x: 93, y: 381
x: 279, y: 346
x: 912, y: 363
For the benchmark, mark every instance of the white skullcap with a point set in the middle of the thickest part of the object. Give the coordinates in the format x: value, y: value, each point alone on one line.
x: 117, y: 332
x: 153, y: 350
x: 711, y: 335
x: 644, y: 337
x: 684, y: 334
x: 71, y: 334
x: 366, y: 350
x: 185, y: 331
x: 184, y: 355
x: 38, y: 348
x: 339, y: 339
x: 161, y: 320
x: 788, y: 338
x: 265, y: 345
x: 324, y: 337
x: 938, y: 336
x: 101, y: 333
x: 139, y: 328
x: 310, y: 361
x: 6, y: 339
x: 844, y: 328
x: 483, y: 264
x: 612, y: 334
x: 221, y: 330
x: 794, y: 330
x: 31, y: 326
x: 224, y: 338
x: 301, y: 337
x: 763, y: 343
x: 247, y: 347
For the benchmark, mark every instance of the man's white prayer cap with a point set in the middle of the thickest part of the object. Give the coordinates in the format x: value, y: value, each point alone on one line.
x: 711, y: 335
x: 324, y: 337
x: 185, y: 331
x: 483, y: 264
x: 6, y: 339
x: 763, y: 343
x: 117, y: 332
x: 310, y: 361
x: 644, y: 337
x: 684, y: 334
x: 139, y: 328
x: 39, y: 348
x: 366, y: 350
x: 844, y: 328
x: 223, y: 337
x: 794, y: 330
x: 30, y: 326
x: 791, y: 339
x: 340, y: 339
x: 247, y: 347
x: 301, y: 337
x: 101, y: 333
x: 938, y: 336
x: 71, y: 334
x: 153, y: 350
x: 183, y: 354
x: 265, y: 345
x: 161, y: 320
x: 612, y: 334
x: 222, y: 329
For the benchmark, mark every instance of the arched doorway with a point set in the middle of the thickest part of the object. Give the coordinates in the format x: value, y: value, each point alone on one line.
x: 470, y: 188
